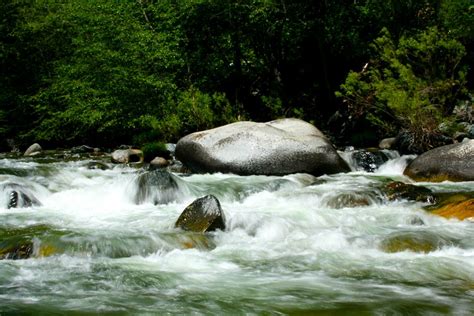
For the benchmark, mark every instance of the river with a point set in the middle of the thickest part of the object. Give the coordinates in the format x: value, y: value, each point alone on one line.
x: 291, y: 246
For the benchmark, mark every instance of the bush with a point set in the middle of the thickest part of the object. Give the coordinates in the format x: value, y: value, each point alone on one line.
x: 152, y: 150
x: 413, y: 85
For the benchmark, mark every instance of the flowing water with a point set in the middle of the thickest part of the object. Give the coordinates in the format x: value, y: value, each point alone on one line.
x: 293, y: 245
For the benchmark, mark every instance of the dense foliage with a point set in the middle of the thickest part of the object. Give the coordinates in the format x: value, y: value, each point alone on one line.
x: 108, y: 72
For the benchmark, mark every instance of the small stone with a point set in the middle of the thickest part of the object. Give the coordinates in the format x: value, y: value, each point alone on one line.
x: 159, y: 162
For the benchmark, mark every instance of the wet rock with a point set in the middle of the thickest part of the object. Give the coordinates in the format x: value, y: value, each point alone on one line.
x: 460, y: 206
x: 127, y: 156
x: 275, y: 148
x: 419, y: 241
x: 349, y: 199
x: 452, y: 162
x: 369, y: 160
x: 157, y: 186
x: 94, y: 165
x: 398, y: 190
x: 203, y: 215
x: 15, y: 252
x: 19, y: 196
x: 33, y: 150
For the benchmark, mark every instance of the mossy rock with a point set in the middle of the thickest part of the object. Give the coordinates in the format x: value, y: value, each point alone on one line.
x: 398, y: 190
x: 17, y: 243
x: 18, y: 251
x: 460, y: 206
x: 189, y: 240
x: 420, y: 242
x: 203, y: 215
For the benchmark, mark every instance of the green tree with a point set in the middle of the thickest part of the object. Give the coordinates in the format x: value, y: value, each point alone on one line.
x: 412, y: 83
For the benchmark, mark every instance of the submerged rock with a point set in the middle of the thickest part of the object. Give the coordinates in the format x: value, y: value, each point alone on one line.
x: 275, y: 148
x: 423, y: 242
x: 127, y: 156
x: 398, y: 190
x: 157, y: 186
x: 203, y: 215
x: 189, y: 240
x: 451, y: 162
x: 18, y: 196
x: 93, y: 165
x: 349, y: 199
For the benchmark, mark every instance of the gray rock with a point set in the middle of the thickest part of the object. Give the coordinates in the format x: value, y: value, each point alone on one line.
x: 275, y: 148
x: 203, y: 215
x: 127, y: 156
x: 387, y: 143
x: 159, y: 162
x: 453, y: 162
x: 33, y: 150
x: 158, y: 187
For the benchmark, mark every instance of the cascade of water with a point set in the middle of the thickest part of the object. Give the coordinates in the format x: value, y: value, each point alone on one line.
x: 292, y: 244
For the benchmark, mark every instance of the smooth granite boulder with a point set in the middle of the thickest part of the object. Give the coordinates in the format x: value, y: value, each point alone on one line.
x: 453, y: 162
x: 278, y: 147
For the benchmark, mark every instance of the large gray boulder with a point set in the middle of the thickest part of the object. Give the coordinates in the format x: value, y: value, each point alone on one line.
x: 278, y: 147
x: 453, y: 162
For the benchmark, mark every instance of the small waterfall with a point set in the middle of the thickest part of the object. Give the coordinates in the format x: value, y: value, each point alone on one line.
x: 373, y: 159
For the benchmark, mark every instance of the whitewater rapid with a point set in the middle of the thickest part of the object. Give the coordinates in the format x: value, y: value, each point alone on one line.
x: 290, y: 246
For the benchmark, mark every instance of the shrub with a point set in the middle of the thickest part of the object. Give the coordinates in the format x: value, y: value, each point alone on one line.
x: 411, y: 84
x: 156, y: 149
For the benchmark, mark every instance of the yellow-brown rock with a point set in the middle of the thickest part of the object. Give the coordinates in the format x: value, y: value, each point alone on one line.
x: 458, y: 207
